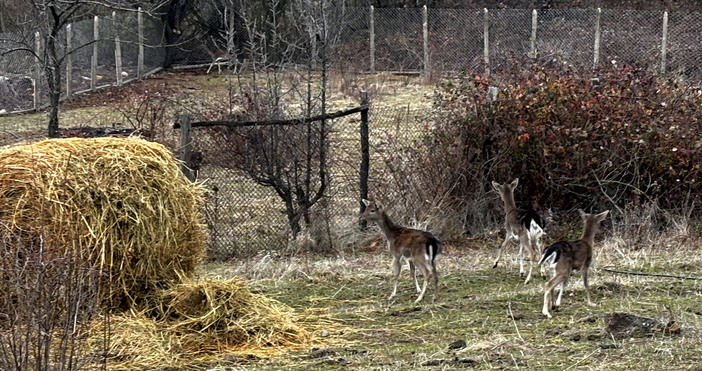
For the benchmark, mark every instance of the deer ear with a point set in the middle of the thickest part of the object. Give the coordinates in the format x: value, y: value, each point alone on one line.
x: 365, y: 202
x: 496, y: 185
x: 601, y: 216
x: 581, y: 212
x: 514, y: 183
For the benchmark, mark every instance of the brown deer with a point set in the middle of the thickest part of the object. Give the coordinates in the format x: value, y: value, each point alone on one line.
x: 525, y: 226
x: 564, y: 257
x: 418, y: 247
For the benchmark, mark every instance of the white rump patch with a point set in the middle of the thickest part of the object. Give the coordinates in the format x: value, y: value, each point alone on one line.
x: 535, y: 230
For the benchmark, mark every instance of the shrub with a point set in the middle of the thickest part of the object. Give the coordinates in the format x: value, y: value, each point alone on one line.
x: 624, y: 137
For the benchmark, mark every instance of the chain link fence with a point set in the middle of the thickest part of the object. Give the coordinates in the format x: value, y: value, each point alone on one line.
x: 245, y: 217
x: 386, y: 40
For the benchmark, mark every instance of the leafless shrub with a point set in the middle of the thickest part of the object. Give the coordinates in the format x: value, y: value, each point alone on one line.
x: 48, y: 296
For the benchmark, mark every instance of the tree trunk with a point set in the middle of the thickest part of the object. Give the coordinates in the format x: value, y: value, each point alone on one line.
x: 53, y: 80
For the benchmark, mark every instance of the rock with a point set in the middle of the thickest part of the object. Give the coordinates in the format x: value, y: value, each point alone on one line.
x: 458, y: 344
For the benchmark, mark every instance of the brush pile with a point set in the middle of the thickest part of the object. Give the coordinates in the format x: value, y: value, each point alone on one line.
x: 122, y: 202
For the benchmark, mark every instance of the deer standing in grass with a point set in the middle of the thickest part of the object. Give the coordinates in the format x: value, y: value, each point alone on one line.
x: 524, y: 226
x: 418, y: 247
x: 564, y: 257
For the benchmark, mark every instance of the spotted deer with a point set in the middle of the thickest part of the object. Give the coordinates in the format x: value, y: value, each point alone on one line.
x: 564, y: 257
x: 418, y: 247
x: 524, y: 226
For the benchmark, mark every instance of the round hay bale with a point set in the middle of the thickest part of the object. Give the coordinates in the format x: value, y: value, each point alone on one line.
x: 123, y: 200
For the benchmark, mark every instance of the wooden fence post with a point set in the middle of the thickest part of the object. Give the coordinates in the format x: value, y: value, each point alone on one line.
x: 534, y: 22
x: 486, y: 41
x: 372, y: 39
x: 185, y: 147
x: 69, y: 61
x: 596, y: 58
x: 140, y: 57
x: 118, y: 51
x: 425, y: 36
x: 365, y: 156
x: 664, y: 41
x: 37, y: 71
x: 94, y: 59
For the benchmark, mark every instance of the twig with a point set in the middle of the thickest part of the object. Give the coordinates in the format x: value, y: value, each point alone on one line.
x: 509, y: 306
x: 650, y: 274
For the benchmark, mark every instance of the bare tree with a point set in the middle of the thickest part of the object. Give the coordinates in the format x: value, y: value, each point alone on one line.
x: 281, y: 73
x: 48, y: 19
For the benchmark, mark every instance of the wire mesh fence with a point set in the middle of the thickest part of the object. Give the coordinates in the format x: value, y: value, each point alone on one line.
x: 383, y: 40
x: 244, y: 216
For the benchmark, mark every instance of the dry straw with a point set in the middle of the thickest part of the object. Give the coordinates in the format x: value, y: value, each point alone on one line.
x: 122, y: 199
x: 198, y: 323
x: 125, y: 202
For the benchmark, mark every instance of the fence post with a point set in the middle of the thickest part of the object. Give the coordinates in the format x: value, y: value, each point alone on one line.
x: 372, y: 39
x: 37, y: 71
x: 185, y: 146
x: 365, y: 156
x: 596, y: 58
x: 94, y: 59
x: 664, y: 41
x: 140, y: 57
x: 486, y: 40
x: 534, y: 19
x: 425, y: 36
x: 118, y: 51
x: 69, y: 61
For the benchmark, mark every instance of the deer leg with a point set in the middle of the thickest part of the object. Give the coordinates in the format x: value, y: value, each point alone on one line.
x: 537, y: 249
x: 435, y: 277
x: 397, y: 267
x: 502, y: 248
x: 587, y: 287
x: 413, y: 272
x: 425, y: 273
x: 561, y: 288
x: 525, y: 245
x: 548, y: 293
x: 521, y: 259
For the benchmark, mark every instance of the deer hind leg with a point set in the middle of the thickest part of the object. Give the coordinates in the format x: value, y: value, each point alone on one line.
x: 413, y: 273
x: 587, y: 286
x: 548, y: 292
x: 536, y: 245
x: 502, y: 249
x: 525, y: 244
x: 435, y: 278
x: 427, y: 277
x: 396, y: 267
x: 561, y: 288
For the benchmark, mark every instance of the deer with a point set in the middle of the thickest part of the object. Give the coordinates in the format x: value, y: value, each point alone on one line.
x: 525, y: 226
x: 564, y: 257
x: 417, y: 247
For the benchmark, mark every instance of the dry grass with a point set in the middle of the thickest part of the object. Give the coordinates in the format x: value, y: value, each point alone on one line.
x: 497, y: 317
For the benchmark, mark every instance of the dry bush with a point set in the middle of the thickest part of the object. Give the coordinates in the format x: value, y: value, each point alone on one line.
x: 623, y: 139
x: 49, y: 297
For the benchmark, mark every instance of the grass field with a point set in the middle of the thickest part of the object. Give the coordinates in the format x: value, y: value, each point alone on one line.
x: 497, y: 317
